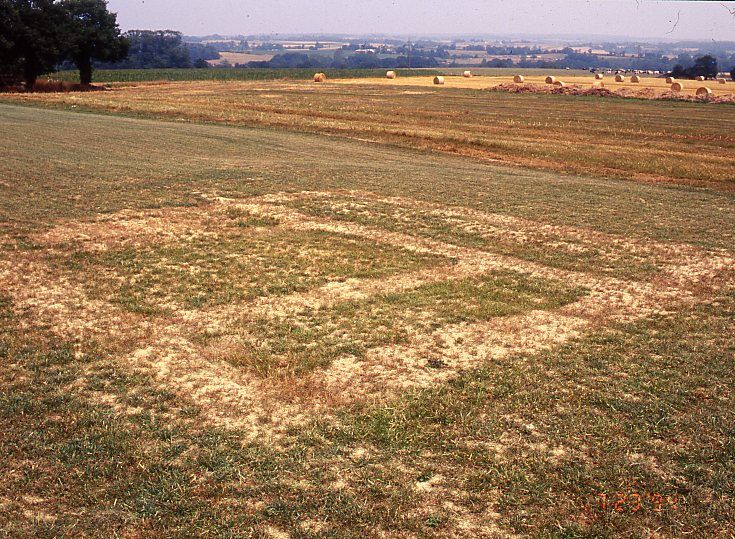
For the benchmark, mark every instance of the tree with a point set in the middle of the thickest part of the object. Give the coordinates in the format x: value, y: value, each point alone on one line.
x: 705, y: 66
x: 679, y: 72
x: 33, y: 42
x: 154, y: 50
x: 92, y: 34
x: 8, y: 23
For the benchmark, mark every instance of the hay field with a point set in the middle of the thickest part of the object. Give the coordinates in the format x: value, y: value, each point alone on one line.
x: 654, y: 141
x: 230, y: 330
x: 481, y: 81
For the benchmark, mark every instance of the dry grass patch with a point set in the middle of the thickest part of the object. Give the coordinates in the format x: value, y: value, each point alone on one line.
x: 311, y: 338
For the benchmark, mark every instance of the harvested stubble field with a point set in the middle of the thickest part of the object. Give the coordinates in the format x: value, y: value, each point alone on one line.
x: 649, y: 86
x: 657, y: 141
x: 236, y: 330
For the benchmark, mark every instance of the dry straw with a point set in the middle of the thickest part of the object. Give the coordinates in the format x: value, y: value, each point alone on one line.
x: 635, y: 78
x: 599, y: 76
x: 722, y: 81
x: 467, y: 74
x: 319, y: 77
x: 390, y: 75
x: 619, y: 78
x: 677, y: 87
x: 518, y: 79
x: 670, y: 80
x: 550, y: 79
x: 703, y: 92
x: 439, y: 80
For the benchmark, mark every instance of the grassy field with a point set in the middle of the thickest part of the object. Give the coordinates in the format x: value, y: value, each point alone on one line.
x: 656, y: 141
x: 235, y: 327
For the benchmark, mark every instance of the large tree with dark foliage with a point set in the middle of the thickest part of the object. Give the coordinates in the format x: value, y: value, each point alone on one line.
x: 154, y: 49
x: 8, y: 23
x: 33, y: 37
x: 703, y: 66
x: 92, y: 35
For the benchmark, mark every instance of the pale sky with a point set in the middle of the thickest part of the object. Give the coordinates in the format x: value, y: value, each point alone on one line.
x: 634, y: 18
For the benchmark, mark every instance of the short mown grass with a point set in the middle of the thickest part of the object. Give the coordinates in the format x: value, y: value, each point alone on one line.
x: 94, y: 444
x: 622, y: 138
x: 241, y: 262
x: 551, y: 249
x: 311, y: 338
x: 641, y: 408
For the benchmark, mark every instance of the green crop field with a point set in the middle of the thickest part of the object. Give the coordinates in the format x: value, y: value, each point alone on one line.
x: 280, y: 309
x: 106, y: 76
x: 226, y: 74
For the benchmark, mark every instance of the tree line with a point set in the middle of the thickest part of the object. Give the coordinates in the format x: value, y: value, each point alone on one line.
x: 38, y: 35
x: 343, y: 61
x: 159, y: 49
x: 703, y: 66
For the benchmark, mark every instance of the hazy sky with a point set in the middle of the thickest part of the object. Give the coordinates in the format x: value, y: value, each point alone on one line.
x: 634, y: 18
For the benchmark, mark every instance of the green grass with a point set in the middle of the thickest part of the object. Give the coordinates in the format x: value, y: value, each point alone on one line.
x: 245, y: 74
x: 136, y: 471
x: 111, y: 163
x: 313, y: 338
x: 549, y: 248
x: 237, y: 264
x: 228, y: 74
x: 650, y: 388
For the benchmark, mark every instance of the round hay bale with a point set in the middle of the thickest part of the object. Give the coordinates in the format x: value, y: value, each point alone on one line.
x: 670, y: 80
x: 677, y: 87
x: 438, y: 79
x: 635, y: 78
x: 599, y: 76
x: 467, y: 74
x: 703, y: 91
x: 559, y: 84
x: 700, y: 78
x: 518, y: 79
x: 722, y: 81
x: 550, y: 79
x: 319, y: 77
x: 619, y: 78
x: 390, y: 75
